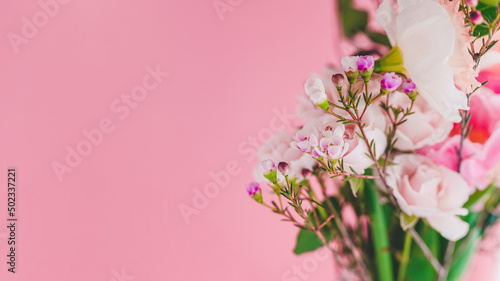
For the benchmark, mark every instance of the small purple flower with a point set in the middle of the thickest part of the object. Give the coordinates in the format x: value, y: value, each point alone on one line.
x: 253, y: 188
x: 283, y: 167
x: 365, y: 63
x: 408, y: 86
x: 390, y: 82
x: 471, y: 3
x: 476, y: 17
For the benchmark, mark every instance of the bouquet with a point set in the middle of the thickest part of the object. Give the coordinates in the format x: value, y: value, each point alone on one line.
x: 395, y: 169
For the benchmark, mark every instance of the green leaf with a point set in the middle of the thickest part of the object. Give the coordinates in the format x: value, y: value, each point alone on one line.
x: 308, y: 241
x: 356, y: 184
x: 419, y: 267
x: 379, y: 38
x: 391, y: 62
x: 353, y: 21
x: 490, y: 2
x: 407, y: 221
x: 476, y: 196
x: 379, y: 226
x: 461, y: 259
x: 481, y: 30
x: 489, y: 12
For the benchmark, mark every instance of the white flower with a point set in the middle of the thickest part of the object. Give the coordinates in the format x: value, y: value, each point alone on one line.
x: 349, y: 63
x: 278, y: 149
x: 315, y: 90
x: 307, y: 109
x: 425, y: 34
x: 325, y: 137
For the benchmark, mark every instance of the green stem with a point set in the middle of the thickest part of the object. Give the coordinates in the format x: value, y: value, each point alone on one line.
x: 406, y: 257
x: 380, y: 237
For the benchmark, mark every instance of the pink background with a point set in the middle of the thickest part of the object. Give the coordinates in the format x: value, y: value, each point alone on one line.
x: 118, y: 210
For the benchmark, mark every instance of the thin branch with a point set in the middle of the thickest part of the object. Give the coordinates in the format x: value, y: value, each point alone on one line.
x: 425, y: 249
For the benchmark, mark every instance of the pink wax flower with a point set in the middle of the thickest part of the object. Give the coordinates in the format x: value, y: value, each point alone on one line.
x: 327, y: 138
x: 390, y: 82
x: 408, y: 86
x: 365, y: 63
x: 253, y: 188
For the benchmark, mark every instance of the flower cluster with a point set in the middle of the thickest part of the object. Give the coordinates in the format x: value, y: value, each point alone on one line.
x: 408, y: 138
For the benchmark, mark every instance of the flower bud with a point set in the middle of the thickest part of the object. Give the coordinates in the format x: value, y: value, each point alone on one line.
x: 316, y: 91
x: 390, y: 82
x: 283, y: 168
x: 408, y: 86
x: 471, y: 3
x: 410, y: 89
x: 254, y: 191
x: 365, y: 65
x: 338, y: 81
x: 268, y: 169
x: 306, y: 173
x: 476, y: 17
x: 350, y: 66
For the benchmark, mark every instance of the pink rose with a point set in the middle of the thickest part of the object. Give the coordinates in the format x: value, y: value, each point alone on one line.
x: 485, y: 115
x: 430, y: 191
x: 481, y: 151
x: 423, y: 128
